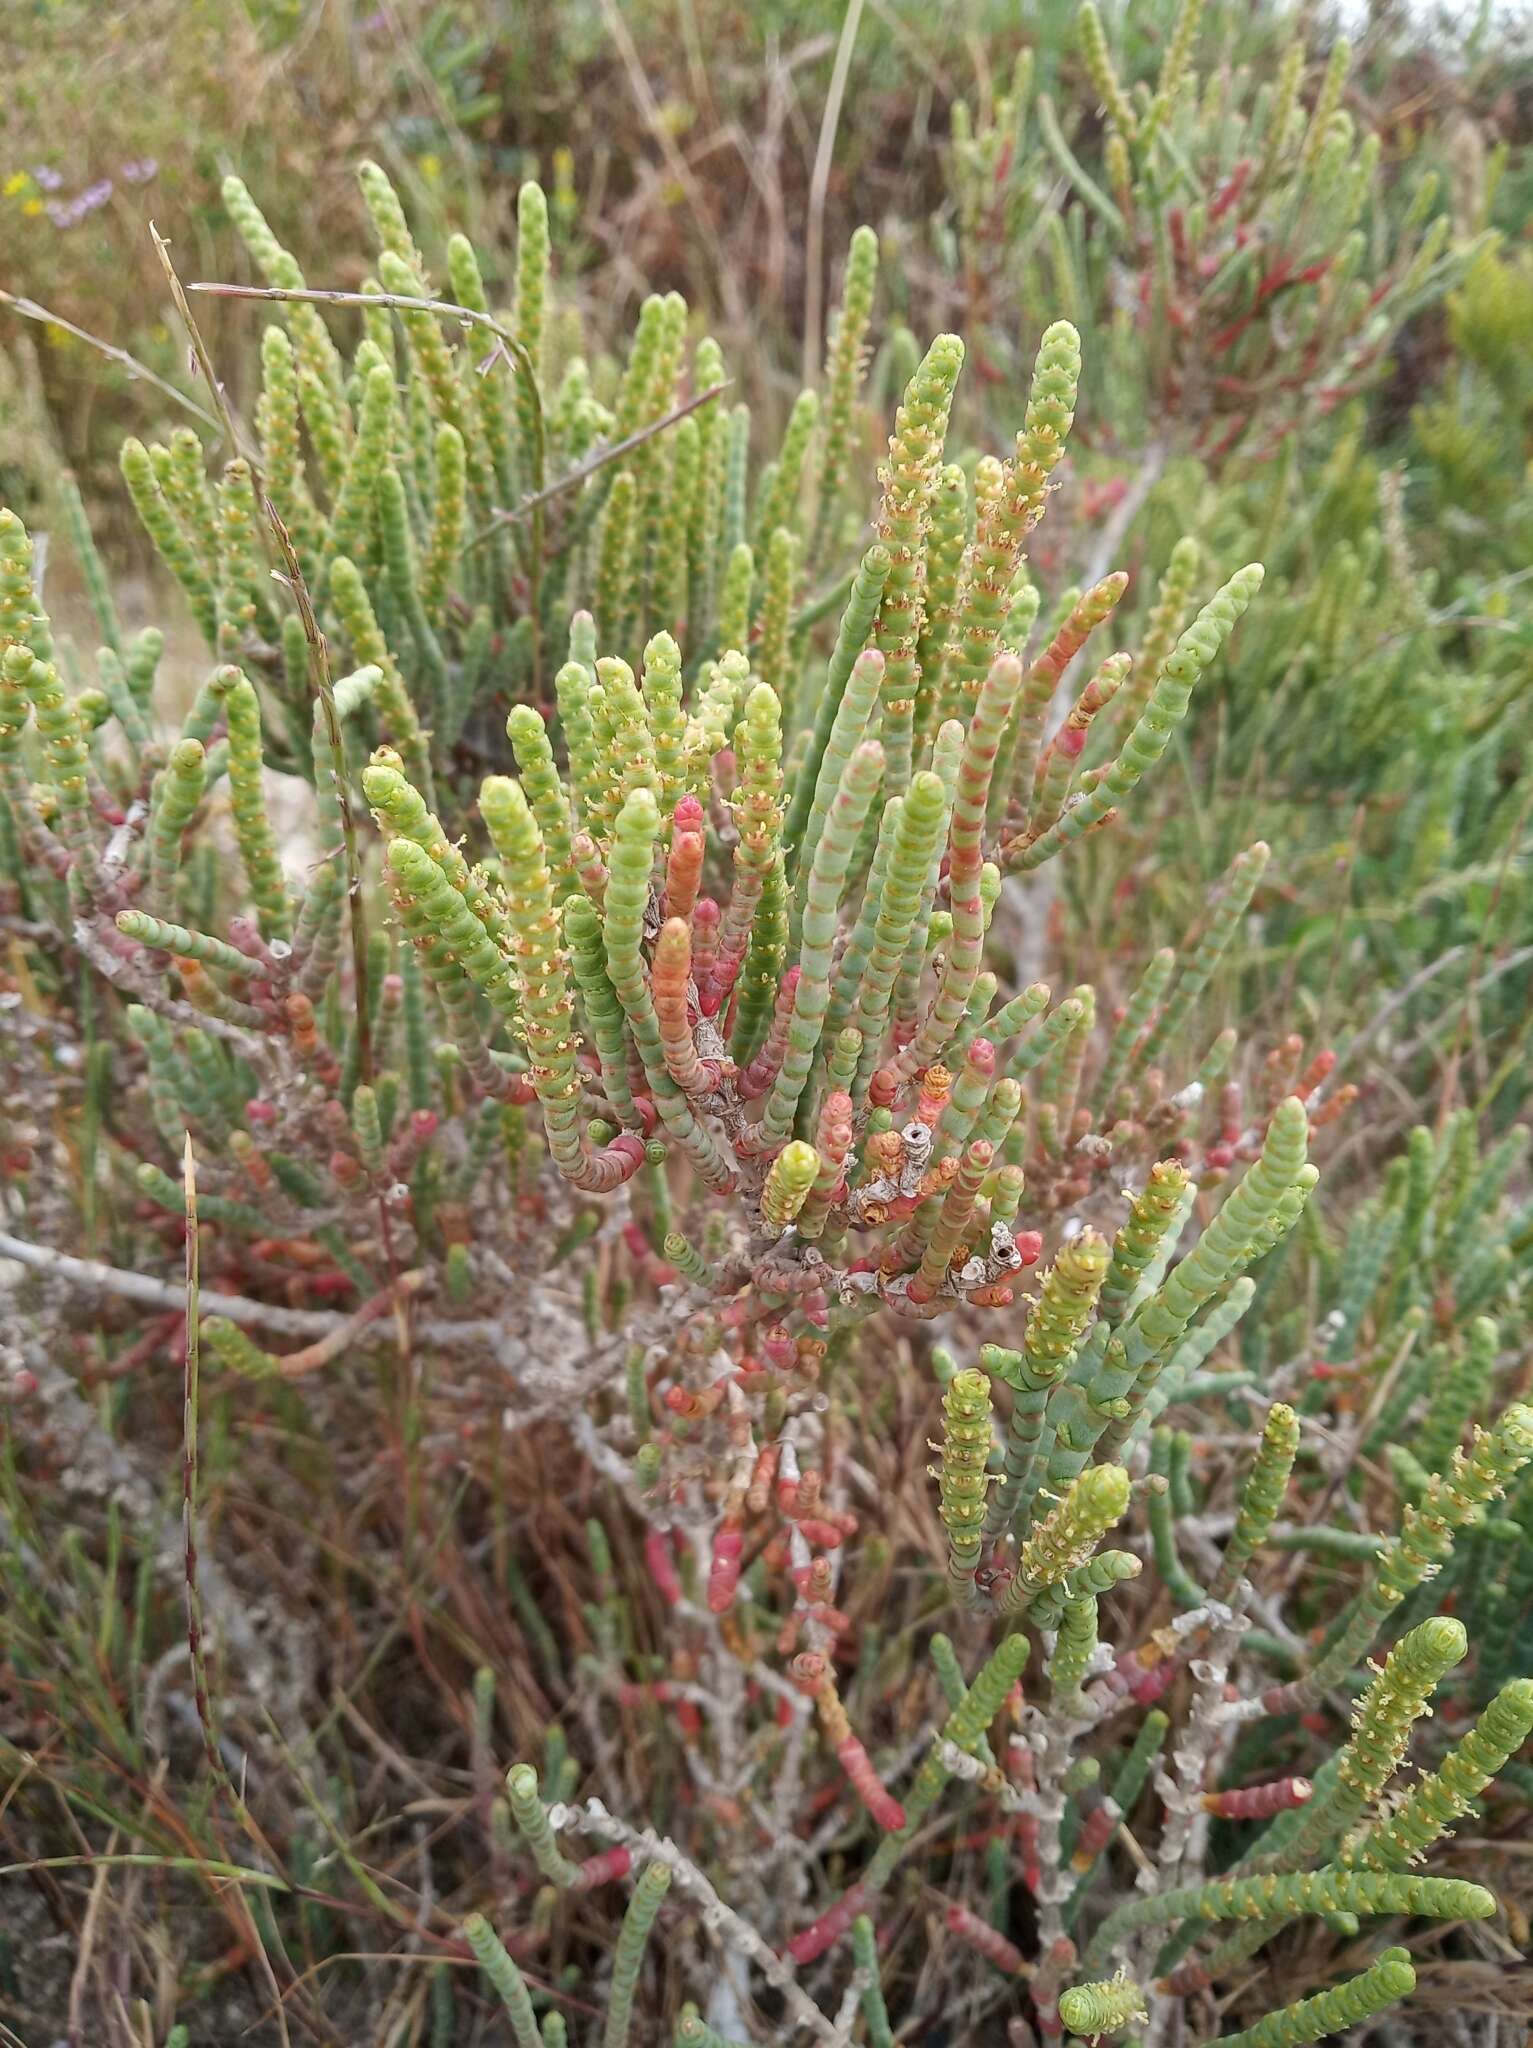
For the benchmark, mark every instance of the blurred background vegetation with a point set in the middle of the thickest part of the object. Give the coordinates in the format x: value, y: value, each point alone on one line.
x: 680, y: 137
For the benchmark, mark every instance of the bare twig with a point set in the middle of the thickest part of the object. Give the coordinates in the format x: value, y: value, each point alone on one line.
x: 237, y: 444
x: 594, y: 463
x: 402, y: 302
x: 649, y: 1847
x: 324, y: 690
x: 93, y: 1276
x: 515, y: 353
x: 1348, y: 1059
x: 29, y: 309
x: 195, y: 1639
x: 193, y: 1356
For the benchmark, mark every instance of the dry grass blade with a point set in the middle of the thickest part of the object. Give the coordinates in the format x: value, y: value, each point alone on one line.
x: 29, y: 309
x: 597, y: 462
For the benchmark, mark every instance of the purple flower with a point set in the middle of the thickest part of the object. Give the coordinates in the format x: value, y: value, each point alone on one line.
x: 139, y: 171
x: 68, y: 213
x: 46, y: 180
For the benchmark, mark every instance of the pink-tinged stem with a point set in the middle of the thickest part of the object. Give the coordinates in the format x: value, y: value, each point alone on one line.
x: 724, y: 1571
x: 669, y: 976
x: 734, y: 941
x: 684, y: 860
x: 989, y: 1942
x: 606, y: 1867
x: 758, y: 1077
x: 1258, y: 1802
x: 825, y: 1932
x: 866, y: 1783
x: 662, y: 1565
x: 705, y: 941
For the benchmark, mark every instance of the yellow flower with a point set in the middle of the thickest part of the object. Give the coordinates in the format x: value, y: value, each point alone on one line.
x: 18, y: 181
x: 431, y: 167
x: 32, y: 206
